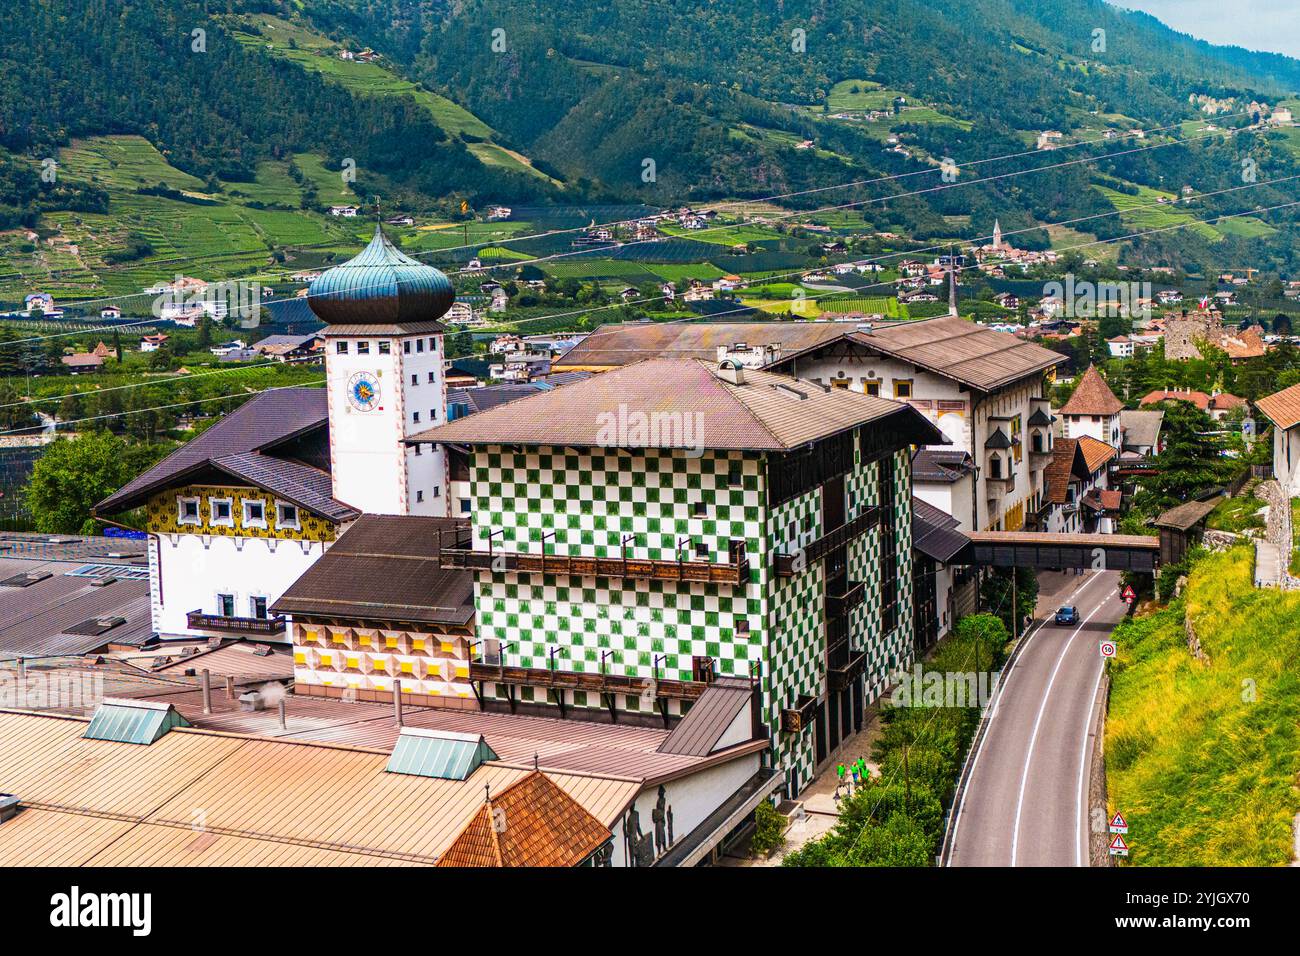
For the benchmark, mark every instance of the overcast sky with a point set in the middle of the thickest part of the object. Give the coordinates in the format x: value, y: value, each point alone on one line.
x: 1255, y: 24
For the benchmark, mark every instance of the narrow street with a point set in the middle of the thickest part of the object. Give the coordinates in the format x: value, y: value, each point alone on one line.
x: 1026, y: 801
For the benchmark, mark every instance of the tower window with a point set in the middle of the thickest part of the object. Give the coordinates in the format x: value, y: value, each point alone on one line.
x: 257, y: 607
x: 419, y: 496
x: 406, y: 347
x: 419, y: 345
x: 415, y: 416
x: 698, y: 509
x: 415, y: 379
x: 433, y: 414
x: 226, y: 605
x: 341, y: 348
x: 433, y: 345
x: 432, y: 378
x: 384, y: 347
x: 702, y: 551
x: 363, y: 348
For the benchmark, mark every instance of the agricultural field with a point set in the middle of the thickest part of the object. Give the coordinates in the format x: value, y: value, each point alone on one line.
x: 1141, y: 212
x: 723, y: 235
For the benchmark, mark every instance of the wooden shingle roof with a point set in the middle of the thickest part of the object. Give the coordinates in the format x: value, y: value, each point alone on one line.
x: 532, y: 822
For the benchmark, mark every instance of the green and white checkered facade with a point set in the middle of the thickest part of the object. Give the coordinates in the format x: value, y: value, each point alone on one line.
x: 585, y: 501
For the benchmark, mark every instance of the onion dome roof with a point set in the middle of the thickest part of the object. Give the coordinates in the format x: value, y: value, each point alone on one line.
x: 380, y: 285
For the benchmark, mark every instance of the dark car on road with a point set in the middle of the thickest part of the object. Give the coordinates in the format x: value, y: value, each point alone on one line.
x: 1067, y: 615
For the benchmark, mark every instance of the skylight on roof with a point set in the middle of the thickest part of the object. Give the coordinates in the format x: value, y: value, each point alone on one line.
x: 442, y: 754
x: 133, y: 721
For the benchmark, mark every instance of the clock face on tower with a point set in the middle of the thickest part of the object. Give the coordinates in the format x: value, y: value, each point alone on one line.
x: 363, y: 391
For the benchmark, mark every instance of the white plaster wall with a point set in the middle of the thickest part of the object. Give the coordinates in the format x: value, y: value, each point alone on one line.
x: 372, y: 469
x: 692, y: 798
x: 192, y: 573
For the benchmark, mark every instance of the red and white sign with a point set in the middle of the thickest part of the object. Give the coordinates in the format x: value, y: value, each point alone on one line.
x: 1118, y: 847
x: 1127, y: 594
x: 1118, y: 824
x: 1108, y: 649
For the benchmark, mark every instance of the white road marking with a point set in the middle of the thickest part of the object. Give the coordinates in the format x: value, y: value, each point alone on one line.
x: 997, y: 702
x: 1080, y: 846
x: 1033, y: 736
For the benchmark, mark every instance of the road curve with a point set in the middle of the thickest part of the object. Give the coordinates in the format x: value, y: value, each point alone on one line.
x: 1025, y: 799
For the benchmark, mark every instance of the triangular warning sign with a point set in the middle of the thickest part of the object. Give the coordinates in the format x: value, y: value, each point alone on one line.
x: 1118, y: 824
x: 1118, y: 846
x: 1128, y: 593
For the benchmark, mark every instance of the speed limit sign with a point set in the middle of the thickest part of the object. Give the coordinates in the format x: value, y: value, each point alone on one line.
x: 1108, y: 649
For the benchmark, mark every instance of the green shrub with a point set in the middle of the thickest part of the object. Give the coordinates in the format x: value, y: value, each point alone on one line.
x: 769, y: 829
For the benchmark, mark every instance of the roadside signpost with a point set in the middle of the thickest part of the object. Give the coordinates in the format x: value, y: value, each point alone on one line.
x: 1108, y: 649
x: 1128, y: 594
x: 1117, y: 846
x: 1118, y: 824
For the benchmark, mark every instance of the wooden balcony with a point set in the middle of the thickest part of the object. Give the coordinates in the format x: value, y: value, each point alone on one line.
x: 788, y: 565
x: 838, y: 605
x: 844, y: 667
x: 235, y: 625
x: 591, y: 682
x: 733, y: 572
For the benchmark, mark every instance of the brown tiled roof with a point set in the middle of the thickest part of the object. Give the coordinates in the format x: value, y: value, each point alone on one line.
x: 1092, y: 396
x: 530, y: 823
x: 384, y: 567
x: 263, y: 420
x: 1059, y: 471
x: 766, y: 412
x: 1095, y: 453
x: 950, y: 346
x: 612, y: 346
x: 1221, y: 401
x: 1282, y: 408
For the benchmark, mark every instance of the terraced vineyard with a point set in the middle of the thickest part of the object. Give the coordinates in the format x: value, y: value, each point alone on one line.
x: 317, y: 53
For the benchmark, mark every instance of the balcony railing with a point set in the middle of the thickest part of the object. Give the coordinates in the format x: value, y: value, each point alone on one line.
x: 734, y: 571
x: 844, y: 666
x: 788, y: 564
x: 238, y: 625
x: 837, y: 605
x: 590, y: 682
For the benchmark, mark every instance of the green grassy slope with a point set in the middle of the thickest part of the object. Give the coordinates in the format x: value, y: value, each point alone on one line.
x: 1203, y: 757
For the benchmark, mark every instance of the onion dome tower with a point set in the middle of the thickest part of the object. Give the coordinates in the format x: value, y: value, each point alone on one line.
x: 381, y: 285
x: 385, y: 377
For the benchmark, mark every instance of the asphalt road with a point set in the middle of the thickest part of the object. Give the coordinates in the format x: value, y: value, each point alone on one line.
x: 1026, y: 802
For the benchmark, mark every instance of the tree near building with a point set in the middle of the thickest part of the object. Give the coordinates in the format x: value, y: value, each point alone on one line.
x: 75, y: 473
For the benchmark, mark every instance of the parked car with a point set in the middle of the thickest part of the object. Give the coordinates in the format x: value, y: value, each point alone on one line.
x: 1069, y: 614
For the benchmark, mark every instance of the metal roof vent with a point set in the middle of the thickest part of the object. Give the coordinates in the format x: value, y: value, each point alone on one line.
x: 442, y: 754
x: 133, y: 721
x: 731, y: 371
x: 8, y: 806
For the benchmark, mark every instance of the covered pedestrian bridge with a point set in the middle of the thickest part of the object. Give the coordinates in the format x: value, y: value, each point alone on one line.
x: 1046, y: 550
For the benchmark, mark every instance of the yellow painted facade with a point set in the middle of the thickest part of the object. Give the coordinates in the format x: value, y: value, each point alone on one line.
x: 163, y: 515
x: 365, y: 658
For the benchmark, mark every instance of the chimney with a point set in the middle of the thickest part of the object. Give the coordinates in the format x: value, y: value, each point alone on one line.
x: 8, y: 806
x: 731, y: 371
x: 207, y: 691
x: 864, y: 327
x: 397, y: 702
